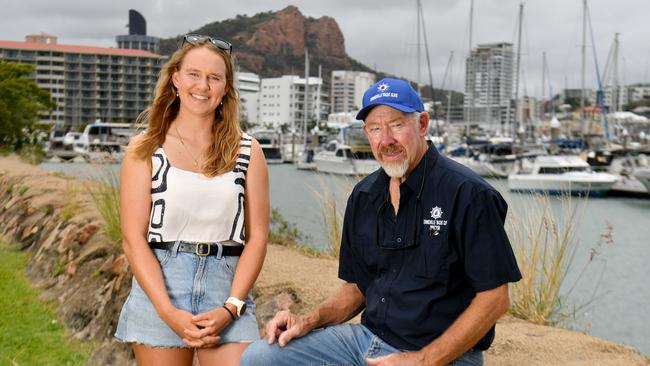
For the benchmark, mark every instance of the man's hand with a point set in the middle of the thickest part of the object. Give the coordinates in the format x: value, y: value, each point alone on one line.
x: 285, y: 327
x: 397, y: 359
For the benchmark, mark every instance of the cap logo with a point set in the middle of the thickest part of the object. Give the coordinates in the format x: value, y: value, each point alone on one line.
x: 394, y: 93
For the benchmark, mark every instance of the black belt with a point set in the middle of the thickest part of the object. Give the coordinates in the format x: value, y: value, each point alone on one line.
x: 200, y: 249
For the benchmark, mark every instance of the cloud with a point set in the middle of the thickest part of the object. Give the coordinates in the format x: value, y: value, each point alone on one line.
x: 381, y: 33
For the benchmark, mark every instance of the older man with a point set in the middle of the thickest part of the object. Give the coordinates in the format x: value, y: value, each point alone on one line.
x: 423, y: 251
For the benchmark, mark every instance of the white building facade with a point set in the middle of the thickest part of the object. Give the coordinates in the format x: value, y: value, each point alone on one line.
x: 348, y: 88
x: 282, y: 101
x: 489, y: 77
x: 637, y: 92
x: 248, y: 85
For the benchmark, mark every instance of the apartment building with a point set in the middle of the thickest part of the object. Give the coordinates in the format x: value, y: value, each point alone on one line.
x: 88, y: 83
x: 489, y: 77
x: 282, y: 101
x: 248, y: 85
x: 348, y: 88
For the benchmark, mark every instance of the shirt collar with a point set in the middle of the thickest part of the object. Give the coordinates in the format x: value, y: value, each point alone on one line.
x: 380, y: 183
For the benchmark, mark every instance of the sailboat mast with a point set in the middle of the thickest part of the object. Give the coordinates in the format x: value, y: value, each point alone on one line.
x: 470, y: 113
x: 583, y: 123
x: 419, y: 57
x: 517, y: 122
x: 305, y: 115
x: 426, y: 50
x: 616, y: 92
x: 449, y: 66
x: 544, y: 66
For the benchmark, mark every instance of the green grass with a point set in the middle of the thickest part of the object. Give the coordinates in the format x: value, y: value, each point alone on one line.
x: 29, y: 331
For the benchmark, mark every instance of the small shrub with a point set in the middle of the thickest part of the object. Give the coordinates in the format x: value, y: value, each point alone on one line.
x: 59, y: 267
x: 106, y: 195
x: 284, y: 233
x: 32, y: 154
x: 332, y: 213
x: 71, y: 206
x: 545, y: 247
x: 22, y: 190
x: 281, y: 231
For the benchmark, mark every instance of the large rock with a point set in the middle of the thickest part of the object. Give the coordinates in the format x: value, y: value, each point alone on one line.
x: 284, y: 34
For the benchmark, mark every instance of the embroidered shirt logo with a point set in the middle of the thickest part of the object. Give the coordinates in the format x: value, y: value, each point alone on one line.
x: 435, y: 223
x: 436, y: 213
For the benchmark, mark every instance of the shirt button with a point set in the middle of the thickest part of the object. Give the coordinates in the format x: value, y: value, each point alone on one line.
x: 383, y: 299
x: 399, y: 240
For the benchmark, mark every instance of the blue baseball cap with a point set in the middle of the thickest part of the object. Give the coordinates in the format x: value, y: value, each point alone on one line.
x: 394, y: 93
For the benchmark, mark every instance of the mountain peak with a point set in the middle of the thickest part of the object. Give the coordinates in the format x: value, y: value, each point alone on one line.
x: 273, y: 43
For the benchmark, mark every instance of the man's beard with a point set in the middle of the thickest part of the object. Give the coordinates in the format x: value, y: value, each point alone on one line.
x: 396, y: 170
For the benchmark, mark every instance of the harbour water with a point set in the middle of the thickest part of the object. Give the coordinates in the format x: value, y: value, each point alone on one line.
x: 613, y: 285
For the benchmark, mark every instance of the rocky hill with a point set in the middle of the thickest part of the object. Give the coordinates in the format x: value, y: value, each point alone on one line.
x: 272, y: 44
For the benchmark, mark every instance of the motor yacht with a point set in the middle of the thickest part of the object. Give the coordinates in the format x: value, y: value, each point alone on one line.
x: 338, y: 158
x: 558, y: 174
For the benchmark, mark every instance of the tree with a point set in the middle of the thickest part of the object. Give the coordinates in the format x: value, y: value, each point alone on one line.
x: 637, y: 103
x: 22, y: 102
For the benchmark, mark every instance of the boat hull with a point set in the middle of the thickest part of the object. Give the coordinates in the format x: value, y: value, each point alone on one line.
x: 485, y: 168
x: 643, y: 175
x: 592, y: 184
x: 346, y: 166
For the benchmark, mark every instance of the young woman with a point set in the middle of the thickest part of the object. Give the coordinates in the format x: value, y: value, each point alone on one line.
x: 195, y: 214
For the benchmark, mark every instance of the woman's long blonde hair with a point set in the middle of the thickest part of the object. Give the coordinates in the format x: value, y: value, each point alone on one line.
x: 226, y: 132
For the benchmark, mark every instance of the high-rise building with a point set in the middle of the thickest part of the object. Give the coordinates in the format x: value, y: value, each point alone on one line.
x: 137, y: 39
x: 638, y: 92
x: 282, y: 101
x: 88, y: 83
x: 489, y: 77
x: 248, y: 85
x: 348, y: 88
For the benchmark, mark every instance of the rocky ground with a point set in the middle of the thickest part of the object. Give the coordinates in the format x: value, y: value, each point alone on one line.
x: 89, y: 278
x: 518, y: 342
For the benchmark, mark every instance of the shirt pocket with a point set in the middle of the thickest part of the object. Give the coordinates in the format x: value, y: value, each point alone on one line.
x: 432, y: 262
x: 364, y: 249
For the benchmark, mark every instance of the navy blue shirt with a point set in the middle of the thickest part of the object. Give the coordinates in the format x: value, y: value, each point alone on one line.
x: 420, y: 269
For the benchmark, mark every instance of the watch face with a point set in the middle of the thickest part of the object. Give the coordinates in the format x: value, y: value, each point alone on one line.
x: 243, y: 309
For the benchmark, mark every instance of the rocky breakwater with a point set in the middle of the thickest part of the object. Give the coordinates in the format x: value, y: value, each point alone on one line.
x: 54, y: 218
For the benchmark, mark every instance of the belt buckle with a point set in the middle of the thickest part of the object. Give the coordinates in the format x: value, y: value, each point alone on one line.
x: 201, y: 252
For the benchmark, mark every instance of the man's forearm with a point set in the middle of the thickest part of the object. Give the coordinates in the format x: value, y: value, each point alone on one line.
x: 346, y: 303
x: 486, y: 308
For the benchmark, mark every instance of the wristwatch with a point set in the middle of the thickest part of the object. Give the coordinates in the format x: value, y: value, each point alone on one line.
x: 239, y: 304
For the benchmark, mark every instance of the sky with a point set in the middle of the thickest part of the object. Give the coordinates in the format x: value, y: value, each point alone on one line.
x: 383, y: 34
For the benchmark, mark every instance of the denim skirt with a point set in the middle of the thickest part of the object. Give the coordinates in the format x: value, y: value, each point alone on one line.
x: 195, y: 284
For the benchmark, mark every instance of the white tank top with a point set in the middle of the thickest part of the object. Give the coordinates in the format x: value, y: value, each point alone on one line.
x: 192, y: 207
